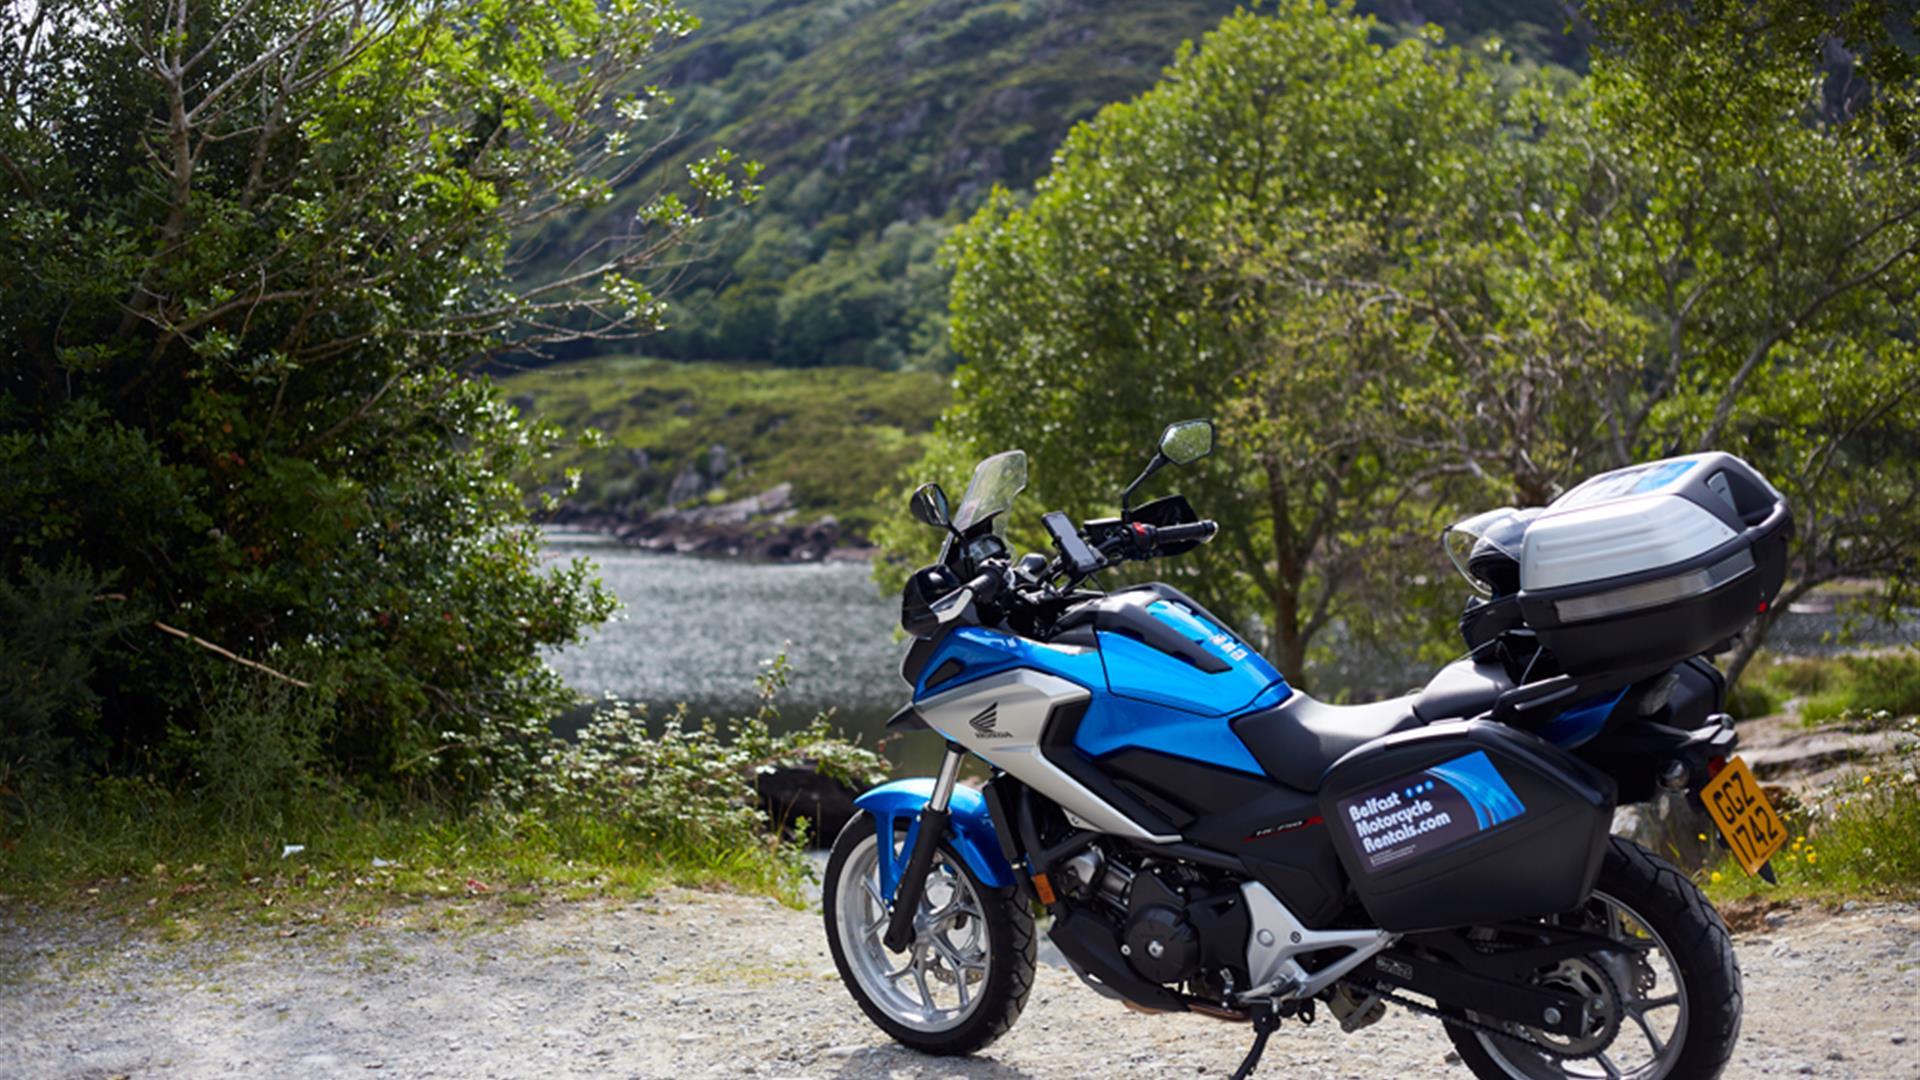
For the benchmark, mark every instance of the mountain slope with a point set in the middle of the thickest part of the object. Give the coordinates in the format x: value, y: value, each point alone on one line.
x: 686, y: 436
x: 883, y: 121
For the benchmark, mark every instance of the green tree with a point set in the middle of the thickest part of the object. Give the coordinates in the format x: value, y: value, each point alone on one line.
x: 1411, y: 295
x: 250, y: 253
x: 1188, y: 255
x: 1714, y: 246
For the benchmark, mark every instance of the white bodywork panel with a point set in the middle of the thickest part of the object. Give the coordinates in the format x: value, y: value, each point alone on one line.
x: 1622, y: 536
x: 1001, y: 717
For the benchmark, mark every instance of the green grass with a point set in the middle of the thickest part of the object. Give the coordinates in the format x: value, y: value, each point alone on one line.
x: 1820, y: 690
x: 145, y: 857
x: 1859, y: 837
x: 840, y: 435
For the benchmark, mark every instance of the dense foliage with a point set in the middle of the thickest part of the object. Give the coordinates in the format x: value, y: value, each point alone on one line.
x: 883, y: 124
x: 248, y: 253
x: 1409, y: 289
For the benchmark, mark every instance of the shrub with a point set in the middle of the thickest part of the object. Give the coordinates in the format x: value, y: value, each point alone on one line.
x: 1751, y: 697
x: 1832, y: 688
x: 53, y: 623
x: 618, y: 810
x: 255, y: 750
x: 1888, y: 681
x: 240, y: 375
x: 693, y: 784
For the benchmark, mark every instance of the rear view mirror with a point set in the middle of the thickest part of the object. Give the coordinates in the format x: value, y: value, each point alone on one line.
x: 929, y: 506
x: 1187, y: 441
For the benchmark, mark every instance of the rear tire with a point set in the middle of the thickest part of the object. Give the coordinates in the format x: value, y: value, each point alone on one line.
x: 1705, y: 973
x: 986, y: 926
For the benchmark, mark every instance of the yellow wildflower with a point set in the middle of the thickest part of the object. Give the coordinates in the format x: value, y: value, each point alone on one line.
x: 1716, y: 877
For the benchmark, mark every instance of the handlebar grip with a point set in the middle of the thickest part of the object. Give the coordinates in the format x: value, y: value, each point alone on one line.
x: 983, y: 589
x: 1200, y: 531
x: 986, y: 585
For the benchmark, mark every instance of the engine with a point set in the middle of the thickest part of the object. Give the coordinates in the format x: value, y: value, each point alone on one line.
x: 1178, y: 923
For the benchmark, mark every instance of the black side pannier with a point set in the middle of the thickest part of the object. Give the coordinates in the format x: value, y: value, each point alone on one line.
x: 1466, y: 823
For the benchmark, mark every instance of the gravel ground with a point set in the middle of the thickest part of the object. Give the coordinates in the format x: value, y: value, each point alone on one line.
x: 692, y: 984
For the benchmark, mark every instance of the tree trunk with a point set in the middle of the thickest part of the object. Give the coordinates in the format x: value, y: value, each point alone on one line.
x: 1289, y: 646
x: 1289, y: 641
x: 1748, y: 645
x: 1756, y: 635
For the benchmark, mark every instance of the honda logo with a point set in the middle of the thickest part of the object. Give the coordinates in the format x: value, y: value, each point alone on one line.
x: 983, y: 723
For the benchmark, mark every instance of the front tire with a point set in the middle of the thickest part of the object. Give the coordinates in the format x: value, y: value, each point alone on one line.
x: 1679, y: 1004
x: 966, y: 977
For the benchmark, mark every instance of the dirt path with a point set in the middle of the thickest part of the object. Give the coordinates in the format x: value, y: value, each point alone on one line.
x: 704, y: 985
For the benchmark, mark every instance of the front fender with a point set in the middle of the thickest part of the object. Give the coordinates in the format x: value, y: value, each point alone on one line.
x: 970, y: 830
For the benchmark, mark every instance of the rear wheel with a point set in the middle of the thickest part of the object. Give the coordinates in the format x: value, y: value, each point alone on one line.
x: 962, y: 982
x: 1665, y: 1004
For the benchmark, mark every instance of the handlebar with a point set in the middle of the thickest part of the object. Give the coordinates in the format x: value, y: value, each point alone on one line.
x: 1198, y: 531
x: 1138, y: 540
x: 985, y: 585
x: 983, y: 589
x: 1135, y: 540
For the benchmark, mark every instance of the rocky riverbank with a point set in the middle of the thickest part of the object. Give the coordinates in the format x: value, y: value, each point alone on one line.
x: 766, y: 527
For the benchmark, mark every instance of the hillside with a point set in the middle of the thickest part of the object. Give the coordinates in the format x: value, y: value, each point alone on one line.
x: 694, y: 437
x: 881, y: 122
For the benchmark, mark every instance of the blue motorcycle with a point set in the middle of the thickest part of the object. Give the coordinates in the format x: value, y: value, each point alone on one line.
x: 1204, y: 838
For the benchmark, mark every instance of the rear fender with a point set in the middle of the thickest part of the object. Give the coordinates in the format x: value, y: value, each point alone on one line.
x: 970, y: 830
x: 1635, y: 755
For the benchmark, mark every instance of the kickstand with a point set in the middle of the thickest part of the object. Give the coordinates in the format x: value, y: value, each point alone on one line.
x: 1264, y: 1023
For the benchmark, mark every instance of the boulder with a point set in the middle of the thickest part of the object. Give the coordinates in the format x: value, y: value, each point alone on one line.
x: 687, y: 484
x: 1670, y: 828
x: 790, y: 792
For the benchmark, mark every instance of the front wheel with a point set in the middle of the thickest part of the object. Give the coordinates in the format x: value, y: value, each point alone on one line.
x: 962, y: 982
x: 1667, y: 1003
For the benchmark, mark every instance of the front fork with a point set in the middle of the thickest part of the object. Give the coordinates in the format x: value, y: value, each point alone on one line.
x: 933, y: 827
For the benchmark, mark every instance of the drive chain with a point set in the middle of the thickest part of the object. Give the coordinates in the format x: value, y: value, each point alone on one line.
x: 1424, y: 1009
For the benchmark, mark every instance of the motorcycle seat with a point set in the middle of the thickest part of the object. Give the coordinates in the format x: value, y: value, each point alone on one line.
x: 1298, y: 739
x: 1462, y: 690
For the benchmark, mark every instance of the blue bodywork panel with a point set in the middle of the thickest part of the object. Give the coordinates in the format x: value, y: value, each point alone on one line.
x: 1140, y: 697
x: 1137, y: 670
x: 1582, y: 722
x: 969, y: 829
x: 1116, y: 723
x: 982, y: 652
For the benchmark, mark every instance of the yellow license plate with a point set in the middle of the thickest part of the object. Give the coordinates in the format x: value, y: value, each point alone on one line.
x: 1736, y: 804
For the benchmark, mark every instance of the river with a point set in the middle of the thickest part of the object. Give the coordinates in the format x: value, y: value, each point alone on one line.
x: 698, y: 631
